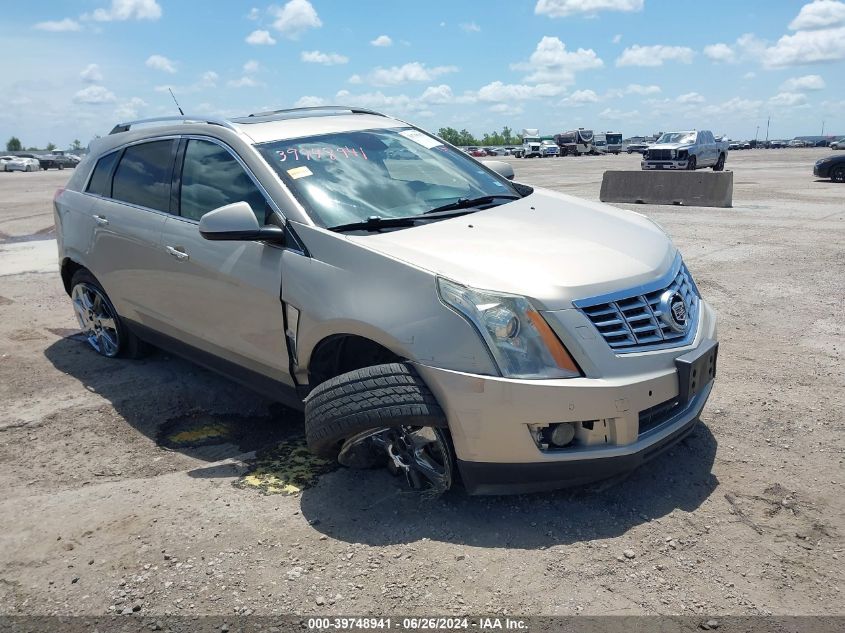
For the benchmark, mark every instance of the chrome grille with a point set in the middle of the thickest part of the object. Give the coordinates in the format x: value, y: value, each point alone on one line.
x: 634, y: 321
x: 660, y: 154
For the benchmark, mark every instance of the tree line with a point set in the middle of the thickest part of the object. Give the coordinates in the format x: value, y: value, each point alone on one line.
x: 14, y: 145
x: 463, y: 138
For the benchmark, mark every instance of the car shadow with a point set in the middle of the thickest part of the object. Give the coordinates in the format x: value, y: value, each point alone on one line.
x: 372, y: 507
x: 179, y: 405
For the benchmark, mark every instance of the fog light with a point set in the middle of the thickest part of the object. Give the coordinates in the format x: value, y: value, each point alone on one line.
x: 562, y: 434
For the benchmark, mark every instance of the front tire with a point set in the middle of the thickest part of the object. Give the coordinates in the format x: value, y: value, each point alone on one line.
x: 720, y: 164
x: 99, y: 321
x: 384, y: 414
x: 692, y: 163
x: 838, y: 174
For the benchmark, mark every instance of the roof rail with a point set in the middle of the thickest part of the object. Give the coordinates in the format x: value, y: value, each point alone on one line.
x: 125, y: 127
x: 293, y: 113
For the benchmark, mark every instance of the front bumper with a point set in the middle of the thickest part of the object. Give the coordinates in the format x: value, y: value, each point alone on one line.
x: 490, y: 417
x: 663, y: 164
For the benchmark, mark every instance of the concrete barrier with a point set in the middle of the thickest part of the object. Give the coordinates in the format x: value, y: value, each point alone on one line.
x: 688, y: 188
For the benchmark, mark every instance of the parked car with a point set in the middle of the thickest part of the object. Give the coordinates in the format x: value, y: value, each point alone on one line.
x: 636, y: 147
x: 23, y: 163
x: 832, y: 167
x: 777, y: 144
x: 549, y: 149
x: 409, y: 339
x: 689, y: 150
x: 476, y: 151
x: 511, y: 151
x: 797, y: 143
x: 55, y: 161
x: 840, y: 144
x: 734, y: 146
x: 4, y: 160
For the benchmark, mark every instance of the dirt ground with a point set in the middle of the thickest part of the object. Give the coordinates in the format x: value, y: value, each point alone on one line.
x: 156, y: 487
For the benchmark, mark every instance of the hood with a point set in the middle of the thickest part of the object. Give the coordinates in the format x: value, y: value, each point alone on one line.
x: 549, y: 247
x: 671, y: 146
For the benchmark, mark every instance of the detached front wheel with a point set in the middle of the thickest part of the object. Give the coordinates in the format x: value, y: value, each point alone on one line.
x: 383, y: 415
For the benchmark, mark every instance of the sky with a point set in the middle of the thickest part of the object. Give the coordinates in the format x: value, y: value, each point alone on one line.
x: 72, y: 69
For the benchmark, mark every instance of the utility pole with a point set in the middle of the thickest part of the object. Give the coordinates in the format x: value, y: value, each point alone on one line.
x: 756, y: 134
x: 769, y: 120
x: 822, y: 128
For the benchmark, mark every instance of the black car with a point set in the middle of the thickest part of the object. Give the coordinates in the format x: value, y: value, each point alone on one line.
x: 832, y: 167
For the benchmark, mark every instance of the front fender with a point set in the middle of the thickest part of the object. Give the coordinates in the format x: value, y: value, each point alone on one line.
x: 346, y: 288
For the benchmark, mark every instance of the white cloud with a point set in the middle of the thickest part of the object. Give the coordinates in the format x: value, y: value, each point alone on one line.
x: 470, y: 27
x: 806, y: 47
x: 580, y: 97
x: 639, y: 89
x: 91, y: 74
x: 355, y: 79
x: 160, y: 62
x: 94, y: 95
x: 820, y: 14
x: 732, y: 107
x: 552, y: 63
x: 749, y: 75
x: 260, y: 37
x: 327, y: 59
x: 206, y: 80
x: 295, y: 17
x: 438, y: 95
x: 506, y: 109
x: 690, y: 97
x: 395, y: 75
x: 788, y: 99
x: 251, y: 67
x: 309, y: 101
x: 618, y: 115
x: 382, y: 41
x: 565, y: 8
x: 498, y: 91
x: 58, y: 26
x: 617, y: 38
x: 719, y: 52
x: 254, y: 14
x: 244, y: 82
x: 121, y: 10
x: 637, y: 55
x: 807, y: 82
x: 129, y: 110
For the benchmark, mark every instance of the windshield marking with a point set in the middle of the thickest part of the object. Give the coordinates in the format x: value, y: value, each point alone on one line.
x: 316, y: 153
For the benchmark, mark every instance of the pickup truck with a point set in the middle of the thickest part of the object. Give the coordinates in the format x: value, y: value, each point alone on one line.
x: 686, y: 150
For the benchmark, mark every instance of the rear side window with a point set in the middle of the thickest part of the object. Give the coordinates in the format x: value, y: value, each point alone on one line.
x: 212, y: 178
x: 100, y: 182
x: 143, y: 175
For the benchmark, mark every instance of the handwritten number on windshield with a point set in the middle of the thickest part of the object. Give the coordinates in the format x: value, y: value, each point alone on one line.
x: 320, y: 153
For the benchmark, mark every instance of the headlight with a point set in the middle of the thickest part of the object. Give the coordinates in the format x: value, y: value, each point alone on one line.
x: 521, y: 342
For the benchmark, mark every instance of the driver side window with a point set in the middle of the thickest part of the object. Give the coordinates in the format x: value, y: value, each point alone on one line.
x: 212, y: 178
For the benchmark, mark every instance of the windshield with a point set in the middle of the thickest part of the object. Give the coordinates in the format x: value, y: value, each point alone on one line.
x: 348, y: 177
x: 614, y: 139
x: 677, y: 137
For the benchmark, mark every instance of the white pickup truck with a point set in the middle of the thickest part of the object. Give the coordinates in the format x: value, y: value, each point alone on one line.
x: 686, y: 150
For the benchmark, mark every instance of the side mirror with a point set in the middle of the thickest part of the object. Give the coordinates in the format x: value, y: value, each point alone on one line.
x: 236, y: 221
x: 500, y: 167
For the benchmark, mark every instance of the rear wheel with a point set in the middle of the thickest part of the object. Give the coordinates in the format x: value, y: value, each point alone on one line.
x: 102, y: 327
x: 838, y: 174
x: 382, y: 415
x: 720, y: 164
x: 691, y: 163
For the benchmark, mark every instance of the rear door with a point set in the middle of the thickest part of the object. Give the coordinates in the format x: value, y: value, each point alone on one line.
x: 224, y: 297
x: 132, y: 202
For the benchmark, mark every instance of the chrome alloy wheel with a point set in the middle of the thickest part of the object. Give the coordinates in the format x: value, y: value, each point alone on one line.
x: 97, y: 319
x: 422, y: 454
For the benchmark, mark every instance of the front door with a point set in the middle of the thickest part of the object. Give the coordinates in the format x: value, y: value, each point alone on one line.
x: 223, y: 297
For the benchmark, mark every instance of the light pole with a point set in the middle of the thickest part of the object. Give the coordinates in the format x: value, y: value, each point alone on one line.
x: 769, y: 120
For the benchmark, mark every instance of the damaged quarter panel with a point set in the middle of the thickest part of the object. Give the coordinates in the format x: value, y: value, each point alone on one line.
x: 346, y: 289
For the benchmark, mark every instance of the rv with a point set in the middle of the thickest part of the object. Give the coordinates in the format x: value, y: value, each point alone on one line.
x: 608, y: 142
x: 575, y: 142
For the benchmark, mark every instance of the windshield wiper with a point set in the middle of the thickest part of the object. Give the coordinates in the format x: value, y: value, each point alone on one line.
x: 375, y: 223
x: 465, y: 203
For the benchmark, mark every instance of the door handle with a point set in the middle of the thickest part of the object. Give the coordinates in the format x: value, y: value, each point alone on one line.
x: 180, y: 255
x: 101, y: 220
